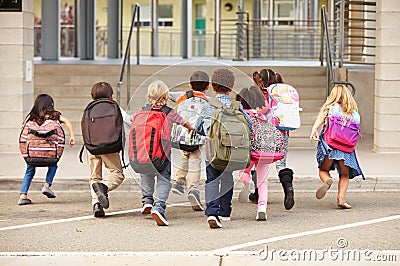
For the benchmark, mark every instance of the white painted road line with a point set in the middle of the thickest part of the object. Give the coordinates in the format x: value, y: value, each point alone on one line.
x: 81, y: 218
x: 306, y: 233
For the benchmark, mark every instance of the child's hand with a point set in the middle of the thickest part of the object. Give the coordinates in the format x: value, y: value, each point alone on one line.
x: 314, y: 134
x: 71, y: 141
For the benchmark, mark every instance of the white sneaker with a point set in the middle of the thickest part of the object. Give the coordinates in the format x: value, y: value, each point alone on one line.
x: 261, y: 213
x: 224, y: 218
x: 213, y: 222
x: 244, y: 194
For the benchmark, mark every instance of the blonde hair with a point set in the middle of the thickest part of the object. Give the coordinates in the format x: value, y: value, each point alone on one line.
x: 341, y: 95
x: 157, y: 93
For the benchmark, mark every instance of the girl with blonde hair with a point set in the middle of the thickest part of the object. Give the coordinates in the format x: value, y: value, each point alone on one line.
x: 341, y: 103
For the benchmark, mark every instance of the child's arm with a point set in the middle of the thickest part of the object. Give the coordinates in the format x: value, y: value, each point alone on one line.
x: 188, y: 125
x: 126, y: 118
x: 318, y: 122
x: 175, y: 95
x: 66, y: 121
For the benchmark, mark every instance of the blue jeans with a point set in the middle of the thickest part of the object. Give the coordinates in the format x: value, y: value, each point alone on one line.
x: 219, y: 192
x: 30, y: 172
x: 162, y: 190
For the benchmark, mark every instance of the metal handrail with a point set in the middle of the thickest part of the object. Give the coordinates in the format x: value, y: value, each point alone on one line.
x: 358, y: 34
x: 127, y: 55
x: 330, y: 80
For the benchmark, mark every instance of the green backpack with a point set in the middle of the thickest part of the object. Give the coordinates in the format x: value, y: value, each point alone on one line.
x: 228, y: 142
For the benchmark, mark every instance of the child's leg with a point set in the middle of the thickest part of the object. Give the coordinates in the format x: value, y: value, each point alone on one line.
x: 324, y: 169
x: 112, y: 162
x: 212, y: 191
x: 226, y: 194
x: 193, y: 176
x: 26, y: 182
x: 163, y: 188
x: 95, y: 165
x: 262, y: 170
x: 343, y: 185
x: 325, y: 177
x: 147, y: 186
x: 281, y: 164
x: 51, y: 172
x: 181, y: 173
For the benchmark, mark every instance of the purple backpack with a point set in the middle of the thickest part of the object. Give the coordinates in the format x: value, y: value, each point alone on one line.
x: 267, y: 142
x: 341, y: 136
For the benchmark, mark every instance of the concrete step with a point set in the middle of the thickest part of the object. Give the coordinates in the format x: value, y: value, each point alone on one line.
x: 70, y: 86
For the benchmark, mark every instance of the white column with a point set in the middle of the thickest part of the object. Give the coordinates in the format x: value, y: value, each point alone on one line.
x: 16, y: 73
x: 387, y: 77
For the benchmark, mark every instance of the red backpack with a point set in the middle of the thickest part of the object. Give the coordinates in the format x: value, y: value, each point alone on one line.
x: 42, y: 145
x: 149, y: 140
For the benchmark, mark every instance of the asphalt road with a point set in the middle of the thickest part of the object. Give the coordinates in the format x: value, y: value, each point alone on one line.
x: 66, y: 224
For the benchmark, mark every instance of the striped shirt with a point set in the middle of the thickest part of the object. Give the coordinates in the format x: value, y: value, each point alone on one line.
x: 204, y: 121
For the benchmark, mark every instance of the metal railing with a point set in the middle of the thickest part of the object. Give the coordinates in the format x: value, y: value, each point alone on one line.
x: 127, y: 56
x: 356, y: 31
x: 330, y: 77
x: 269, y: 39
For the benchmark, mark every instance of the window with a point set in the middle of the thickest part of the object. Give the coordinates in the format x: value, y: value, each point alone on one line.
x: 279, y: 11
x: 165, y: 15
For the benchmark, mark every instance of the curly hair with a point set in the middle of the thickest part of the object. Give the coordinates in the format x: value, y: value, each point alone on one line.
x: 251, y: 98
x: 157, y: 93
x: 222, y: 80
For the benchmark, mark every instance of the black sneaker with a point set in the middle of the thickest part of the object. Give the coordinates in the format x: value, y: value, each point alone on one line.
x: 177, y: 189
x: 101, y: 191
x: 159, y: 217
x: 98, y: 210
x: 214, y: 222
x: 194, y: 198
x: 253, y: 197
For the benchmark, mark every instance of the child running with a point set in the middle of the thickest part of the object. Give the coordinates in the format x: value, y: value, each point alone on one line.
x: 189, y: 170
x: 157, y: 97
x: 263, y: 79
x: 219, y: 183
x: 340, y: 102
x: 42, y: 110
x: 253, y: 102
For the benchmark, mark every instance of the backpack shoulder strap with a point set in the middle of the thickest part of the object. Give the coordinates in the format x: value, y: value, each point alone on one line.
x: 165, y: 109
x: 214, y: 102
x: 189, y: 94
x: 235, y: 105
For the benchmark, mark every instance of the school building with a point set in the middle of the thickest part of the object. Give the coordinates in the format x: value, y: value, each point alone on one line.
x: 62, y: 47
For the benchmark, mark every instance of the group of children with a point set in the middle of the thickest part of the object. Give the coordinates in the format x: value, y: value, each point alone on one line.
x: 254, y: 101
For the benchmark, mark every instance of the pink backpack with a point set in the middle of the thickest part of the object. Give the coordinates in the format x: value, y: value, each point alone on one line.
x: 284, y: 103
x: 341, y: 136
x: 42, y: 145
x: 267, y: 142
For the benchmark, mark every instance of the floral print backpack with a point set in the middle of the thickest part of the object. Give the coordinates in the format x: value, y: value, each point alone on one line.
x: 267, y: 142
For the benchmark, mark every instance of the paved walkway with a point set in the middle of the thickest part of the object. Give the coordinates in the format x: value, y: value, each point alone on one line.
x: 75, y: 235
x: 381, y: 170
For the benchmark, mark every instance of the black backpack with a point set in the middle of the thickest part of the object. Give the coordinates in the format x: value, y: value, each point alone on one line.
x: 102, y: 127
